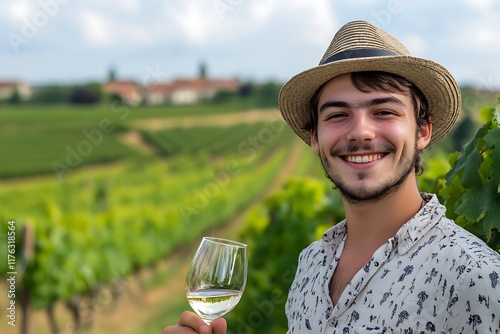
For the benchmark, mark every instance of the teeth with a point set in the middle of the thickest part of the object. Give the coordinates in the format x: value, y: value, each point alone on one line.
x: 362, y: 159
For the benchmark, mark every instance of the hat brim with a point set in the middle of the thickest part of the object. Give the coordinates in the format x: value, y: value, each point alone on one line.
x: 435, y: 82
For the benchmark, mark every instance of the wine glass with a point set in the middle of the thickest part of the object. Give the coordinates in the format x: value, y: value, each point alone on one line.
x: 217, y: 277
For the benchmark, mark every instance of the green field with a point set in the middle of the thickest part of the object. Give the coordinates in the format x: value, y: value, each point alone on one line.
x: 61, y: 139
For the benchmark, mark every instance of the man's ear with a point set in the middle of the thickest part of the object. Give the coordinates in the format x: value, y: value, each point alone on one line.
x: 314, y: 140
x: 424, y: 135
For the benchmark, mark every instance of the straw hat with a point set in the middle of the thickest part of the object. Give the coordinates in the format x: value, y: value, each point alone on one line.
x: 359, y: 46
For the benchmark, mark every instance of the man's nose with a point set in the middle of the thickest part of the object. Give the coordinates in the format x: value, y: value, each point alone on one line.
x: 361, y: 128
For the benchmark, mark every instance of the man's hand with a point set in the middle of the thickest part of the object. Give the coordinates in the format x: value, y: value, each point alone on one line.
x: 191, y: 323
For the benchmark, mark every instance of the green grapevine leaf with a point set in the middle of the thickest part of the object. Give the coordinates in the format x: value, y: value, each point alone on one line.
x: 492, y: 138
x: 486, y: 114
x: 452, y: 195
x: 453, y: 158
x: 493, y: 142
x: 496, y: 115
x: 472, y: 190
x: 468, y: 162
x: 479, y: 201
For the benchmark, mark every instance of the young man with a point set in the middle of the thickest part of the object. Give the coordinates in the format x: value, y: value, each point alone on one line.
x: 396, y: 264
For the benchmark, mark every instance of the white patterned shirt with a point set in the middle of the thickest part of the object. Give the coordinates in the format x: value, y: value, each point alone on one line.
x: 431, y: 277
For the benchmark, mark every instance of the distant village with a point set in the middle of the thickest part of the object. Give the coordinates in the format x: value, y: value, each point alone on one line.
x: 177, y: 91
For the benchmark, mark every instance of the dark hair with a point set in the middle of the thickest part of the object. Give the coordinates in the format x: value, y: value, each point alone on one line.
x: 385, y: 82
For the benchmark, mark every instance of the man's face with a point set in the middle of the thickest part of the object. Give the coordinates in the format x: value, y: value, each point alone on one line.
x: 367, y: 142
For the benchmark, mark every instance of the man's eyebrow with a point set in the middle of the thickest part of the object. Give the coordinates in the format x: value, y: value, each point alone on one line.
x: 334, y: 104
x: 364, y: 104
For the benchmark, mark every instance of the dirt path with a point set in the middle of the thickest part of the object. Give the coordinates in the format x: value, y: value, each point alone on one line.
x: 250, y: 116
x: 135, y: 141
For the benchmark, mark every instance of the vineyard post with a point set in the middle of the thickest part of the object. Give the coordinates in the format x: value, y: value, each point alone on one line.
x: 27, y: 252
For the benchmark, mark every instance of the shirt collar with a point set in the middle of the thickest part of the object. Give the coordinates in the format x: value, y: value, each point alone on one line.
x: 428, y: 216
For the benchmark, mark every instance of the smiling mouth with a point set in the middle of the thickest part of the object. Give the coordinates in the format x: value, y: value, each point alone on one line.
x: 362, y: 159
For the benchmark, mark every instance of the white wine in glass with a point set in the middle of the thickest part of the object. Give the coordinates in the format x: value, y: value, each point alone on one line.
x: 217, y: 277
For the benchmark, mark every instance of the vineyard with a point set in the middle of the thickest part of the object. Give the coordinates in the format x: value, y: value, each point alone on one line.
x: 92, y: 209
x: 41, y: 140
x: 94, y: 227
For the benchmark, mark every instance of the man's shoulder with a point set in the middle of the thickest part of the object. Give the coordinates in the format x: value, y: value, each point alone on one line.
x: 453, y: 239
x: 462, y: 243
x: 311, y: 250
x: 328, y: 242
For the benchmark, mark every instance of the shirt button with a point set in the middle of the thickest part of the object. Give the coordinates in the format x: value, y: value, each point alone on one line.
x: 375, y: 264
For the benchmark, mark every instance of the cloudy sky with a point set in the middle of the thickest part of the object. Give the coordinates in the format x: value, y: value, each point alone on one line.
x: 75, y: 41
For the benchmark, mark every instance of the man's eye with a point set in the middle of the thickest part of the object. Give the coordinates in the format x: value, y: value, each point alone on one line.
x: 385, y: 112
x: 335, y: 116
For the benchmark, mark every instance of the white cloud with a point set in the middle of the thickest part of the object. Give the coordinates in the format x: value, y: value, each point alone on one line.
x: 95, y: 28
x: 227, y: 19
x: 19, y: 10
x: 131, y: 6
x: 100, y: 30
x: 479, y: 5
x: 415, y: 43
x: 192, y: 22
x: 262, y: 11
x: 485, y: 37
x: 322, y: 20
x: 116, y: 6
x: 314, y: 19
x: 478, y: 37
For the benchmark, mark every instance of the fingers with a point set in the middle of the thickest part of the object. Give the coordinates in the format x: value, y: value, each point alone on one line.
x: 192, y: 320
x: 189, y: 323
x: 219, y: 326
